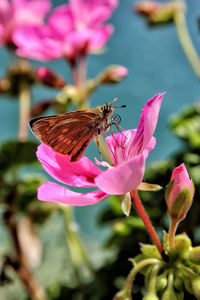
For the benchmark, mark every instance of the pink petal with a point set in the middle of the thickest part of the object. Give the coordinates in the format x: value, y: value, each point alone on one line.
x: 100, y: 37
x: 53, y: 192
x: 61, y: 21
x: 39, y: 7
x: 146, y: 126
x: 122, y: 178
x: 99, y: 16
x: 117, y: 146
x: 149, y: 147
x: 36, y: 42
x: 30, y: 12
x: 80, y: 174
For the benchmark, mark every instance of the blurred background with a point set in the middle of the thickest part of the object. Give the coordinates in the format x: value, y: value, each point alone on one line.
x: 156, y: 63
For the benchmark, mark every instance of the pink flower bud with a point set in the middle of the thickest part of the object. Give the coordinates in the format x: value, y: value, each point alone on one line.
x: 146, y: 7
x: 49, y: 78
x: 40, y: 107
x: 179, y: 193
x: 4, y: 86
x: 157, y: 12
x: 114, y: 74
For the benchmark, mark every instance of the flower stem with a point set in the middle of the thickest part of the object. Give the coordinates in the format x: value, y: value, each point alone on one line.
x: 24, y: 110
x: 125, y: 293
x: 75, y: 76
x: 172, y: 231
x: 77, y: 252
x: 142, y: 213
x: 152, y: 281
x: 83, y: 70
x: 19, y: 263
x: 186, y: 42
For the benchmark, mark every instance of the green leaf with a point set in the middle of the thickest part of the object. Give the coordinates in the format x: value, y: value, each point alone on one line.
x: 125, y: 201
x: 149, y: 187
x: 150, y: 251
x: 186, y: 125
x: 27, y: 199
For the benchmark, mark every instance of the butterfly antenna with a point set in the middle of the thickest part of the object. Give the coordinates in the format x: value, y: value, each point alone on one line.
x: 115, y: 99
x: 121, y: 106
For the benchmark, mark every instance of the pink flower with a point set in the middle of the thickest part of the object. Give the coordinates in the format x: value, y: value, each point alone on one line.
x: 71, y: 30
x: 179, y: 193
x: 15, y: 13
x: 122, y: 178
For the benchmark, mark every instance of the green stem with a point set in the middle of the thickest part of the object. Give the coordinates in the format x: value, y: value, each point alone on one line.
x: 153, y: 277
x: 142, y: 213
x: 125, y: 293
x: 172, y: 231
x: 186, y: 42
x: 77, y: 252
x: 186, y: 270
x: 24, y: 110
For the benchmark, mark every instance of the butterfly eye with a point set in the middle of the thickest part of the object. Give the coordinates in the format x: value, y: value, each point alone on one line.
x: 106, y: 109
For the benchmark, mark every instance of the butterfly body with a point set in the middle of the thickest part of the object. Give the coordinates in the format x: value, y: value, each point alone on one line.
x: 70, y: 134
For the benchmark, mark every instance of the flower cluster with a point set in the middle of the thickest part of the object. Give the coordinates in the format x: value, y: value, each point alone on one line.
x: 71, y: 30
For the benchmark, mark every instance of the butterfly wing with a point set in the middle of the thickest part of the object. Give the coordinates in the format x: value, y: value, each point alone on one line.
x: 67, y: 134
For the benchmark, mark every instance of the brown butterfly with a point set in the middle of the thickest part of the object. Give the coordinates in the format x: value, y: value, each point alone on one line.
x: 70, y: 133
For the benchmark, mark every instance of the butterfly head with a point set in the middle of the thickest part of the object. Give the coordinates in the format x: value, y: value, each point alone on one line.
x: 107, y: 109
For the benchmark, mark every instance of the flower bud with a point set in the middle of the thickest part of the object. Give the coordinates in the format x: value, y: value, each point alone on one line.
x: 4, y: 86
x: 178, y: 284
x: 150, y: 296
x: 196, y: 286
x: 113, y: 74
x: 182, y: 244
x: 49, y: 78
x: 161, y: 282
x: 169, y: 294
x: 41, y: 107
x: 158, y: 13
x: 194, y: 255
x: 146, y: 7
x: 179, y: 194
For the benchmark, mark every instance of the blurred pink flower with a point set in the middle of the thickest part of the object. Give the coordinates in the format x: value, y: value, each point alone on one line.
x: 15, y: 13
x: 124, y: 176
x: 72, y: 29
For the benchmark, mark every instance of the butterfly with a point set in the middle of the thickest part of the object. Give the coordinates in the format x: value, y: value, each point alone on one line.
x: 70, y: 133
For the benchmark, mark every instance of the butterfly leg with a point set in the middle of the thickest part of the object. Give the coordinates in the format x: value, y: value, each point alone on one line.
x: 98, y: 146
x: 120, y: 129
x: 114, y: 136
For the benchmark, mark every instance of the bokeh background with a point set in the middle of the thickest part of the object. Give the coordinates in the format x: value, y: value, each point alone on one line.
x: 156, y: 63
